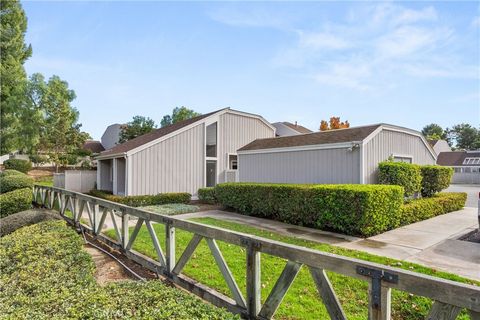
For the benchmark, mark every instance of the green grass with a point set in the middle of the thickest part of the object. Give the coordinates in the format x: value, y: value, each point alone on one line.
x: 46, y: 274
x: 44, y: 181
x: 302, y: 300
x: 171, y: 208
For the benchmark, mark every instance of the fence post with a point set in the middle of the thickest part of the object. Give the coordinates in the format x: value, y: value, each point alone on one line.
x: 125, y: 231
x: 253, y: 281
x: 170, y: 246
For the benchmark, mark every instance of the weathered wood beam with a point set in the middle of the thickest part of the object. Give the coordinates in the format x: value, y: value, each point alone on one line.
x: 226, y: 273
x: 170, y: 246
x: 384, y: 311
x: 280, y: 289
x: 156, y: 244
x: 253, y: 281
x: 443, y: 311
x: 125, y: 230
x: 327, y: 293
x: 134, y: 233
x: 187, y: 253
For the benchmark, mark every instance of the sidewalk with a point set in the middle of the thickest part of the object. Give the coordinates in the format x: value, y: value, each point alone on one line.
x: 431, y: 242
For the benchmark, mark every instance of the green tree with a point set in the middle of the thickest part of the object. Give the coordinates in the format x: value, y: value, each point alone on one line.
x: 434, y: 131
x: 138, y: 126
x: 60, y: 134
x: 14, y: 53
x: 465, y: 136
x: 178, y: 114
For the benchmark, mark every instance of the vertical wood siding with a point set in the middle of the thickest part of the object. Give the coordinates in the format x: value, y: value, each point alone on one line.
x: 173, y: 165
x: 312, y: 166
x: 234, y: 132
x: 386, y: 143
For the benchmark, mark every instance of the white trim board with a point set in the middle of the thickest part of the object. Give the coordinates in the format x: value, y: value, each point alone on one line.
x: 302, y: 148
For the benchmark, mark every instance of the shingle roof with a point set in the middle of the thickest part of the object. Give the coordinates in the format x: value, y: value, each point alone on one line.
x: 155, y: 134
x: 455, y: 158
x: 322, y: 137
x: 297, y: 127
x: 93, y: 145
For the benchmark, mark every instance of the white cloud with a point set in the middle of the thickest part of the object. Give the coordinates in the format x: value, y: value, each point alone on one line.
x: 476, y: 22
x: 248, y: 18
x: 322, y: 40
x: 346, y: 75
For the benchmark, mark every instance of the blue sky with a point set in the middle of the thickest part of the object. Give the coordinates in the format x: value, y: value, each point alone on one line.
x: 406, y: 63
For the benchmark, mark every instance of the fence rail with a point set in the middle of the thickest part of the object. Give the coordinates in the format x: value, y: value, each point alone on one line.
x: 450, y: 297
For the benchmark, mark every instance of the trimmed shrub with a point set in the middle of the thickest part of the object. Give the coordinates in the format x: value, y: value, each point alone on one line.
x: 38, y: 159
x: 10, y: 172
x: 426, y: 208
x: 402, y: 174
x: 144, y: 200
x: 207, y: 195
x: 25, y: 218
x: 351, y: 209
x: 15, y: 201
x: 18, y: 164
x: 15, y: 181
x: 435, y: 179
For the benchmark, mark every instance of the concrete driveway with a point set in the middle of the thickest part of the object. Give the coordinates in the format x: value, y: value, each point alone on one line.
x: 472, y: 191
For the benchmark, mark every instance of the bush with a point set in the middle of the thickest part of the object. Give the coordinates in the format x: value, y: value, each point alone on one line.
x: 402, y: 174
x: 435, y: 179
x: 38, y: 159
x: 144, y: 200
x: 15, y: 201
x: 426, y: 208
x: 351, y: 209
x: 10, y: 172
x: 18, y: 164
x: 207, y: 195
x: 25, y: 218
x: 13, y: 181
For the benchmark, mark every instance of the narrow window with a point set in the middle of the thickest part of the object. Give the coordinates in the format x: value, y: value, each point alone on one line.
x: 232, y: 162
x: 211, y: 140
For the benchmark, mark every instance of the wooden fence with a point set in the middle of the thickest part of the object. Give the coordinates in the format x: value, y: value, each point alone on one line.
x: 450, y: 297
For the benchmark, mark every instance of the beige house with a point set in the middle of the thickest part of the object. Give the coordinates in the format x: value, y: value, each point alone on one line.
x: 182, y: 157
x: 337, y: 156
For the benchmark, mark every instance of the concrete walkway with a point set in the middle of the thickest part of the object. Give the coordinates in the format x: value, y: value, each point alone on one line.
x: 431, y: 242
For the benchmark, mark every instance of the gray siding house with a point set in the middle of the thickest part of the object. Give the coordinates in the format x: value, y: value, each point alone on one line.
x: 111, y: 136
x: 337, y: 156
x: 285, y: 128
x: 182, y: 157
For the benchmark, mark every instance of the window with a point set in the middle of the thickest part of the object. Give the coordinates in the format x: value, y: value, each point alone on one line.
x: 402, y: 159
x: 475, y: 160
x: 232, y: 162
x: 211, y: 140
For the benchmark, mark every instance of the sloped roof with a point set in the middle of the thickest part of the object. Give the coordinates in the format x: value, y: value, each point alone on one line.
x: 155, y: 134
x: 297, y: 127
x: 93, y: 145
x: 322, y: 137
x: 456, y: 158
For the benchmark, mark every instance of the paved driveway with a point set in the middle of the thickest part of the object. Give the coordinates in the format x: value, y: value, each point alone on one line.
x: 472, y: 191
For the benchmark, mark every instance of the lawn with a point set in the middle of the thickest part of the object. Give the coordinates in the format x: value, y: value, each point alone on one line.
x: 46, y: 274
x: 302, y: 300
x: 44, y: 181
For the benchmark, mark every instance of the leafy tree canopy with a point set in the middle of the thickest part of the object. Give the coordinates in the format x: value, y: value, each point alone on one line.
x: 464, y: 136
x: 434, y: 132
x: 138, y: 126
x: 178, y: 114
x: 333, y: 123
x: 14, y: 53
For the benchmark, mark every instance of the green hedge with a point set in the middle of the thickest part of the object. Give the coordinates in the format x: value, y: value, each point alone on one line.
x: 15, y: 201
x: 435, y: 179
x: 18, y: 164
x: 207, y: 195
x: 426, y: 208
x: 144, y: 200
x: 351, y: 209
x: 22, y: 219
x: 12, y: 182
x: 402, y: 174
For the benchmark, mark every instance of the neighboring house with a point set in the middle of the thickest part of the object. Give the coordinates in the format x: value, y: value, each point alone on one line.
x: 93, y: 146
x: 336, y: 156
x: 181, y: 157
x: 466, y: 165
x: 111, y: 136
x: 284, y: 129
x: 439, y: 146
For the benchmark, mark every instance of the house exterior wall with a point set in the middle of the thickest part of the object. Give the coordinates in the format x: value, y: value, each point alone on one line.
x: 104, y: 175
x: 308, y: 166
x: 234, y: 132
x: 110, y: 136
x: 172, y: 165
x: 283, y: 130
x: 387, y: 143
x: 441, y: 146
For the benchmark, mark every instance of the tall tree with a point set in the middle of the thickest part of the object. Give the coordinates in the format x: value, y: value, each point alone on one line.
x: 178, y: 114
x: 60, y: 133
x: 138, y: 126
x: 434, y: 131
x: 464, y: 136
x: 14, y: 53
x: 333, y: 123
